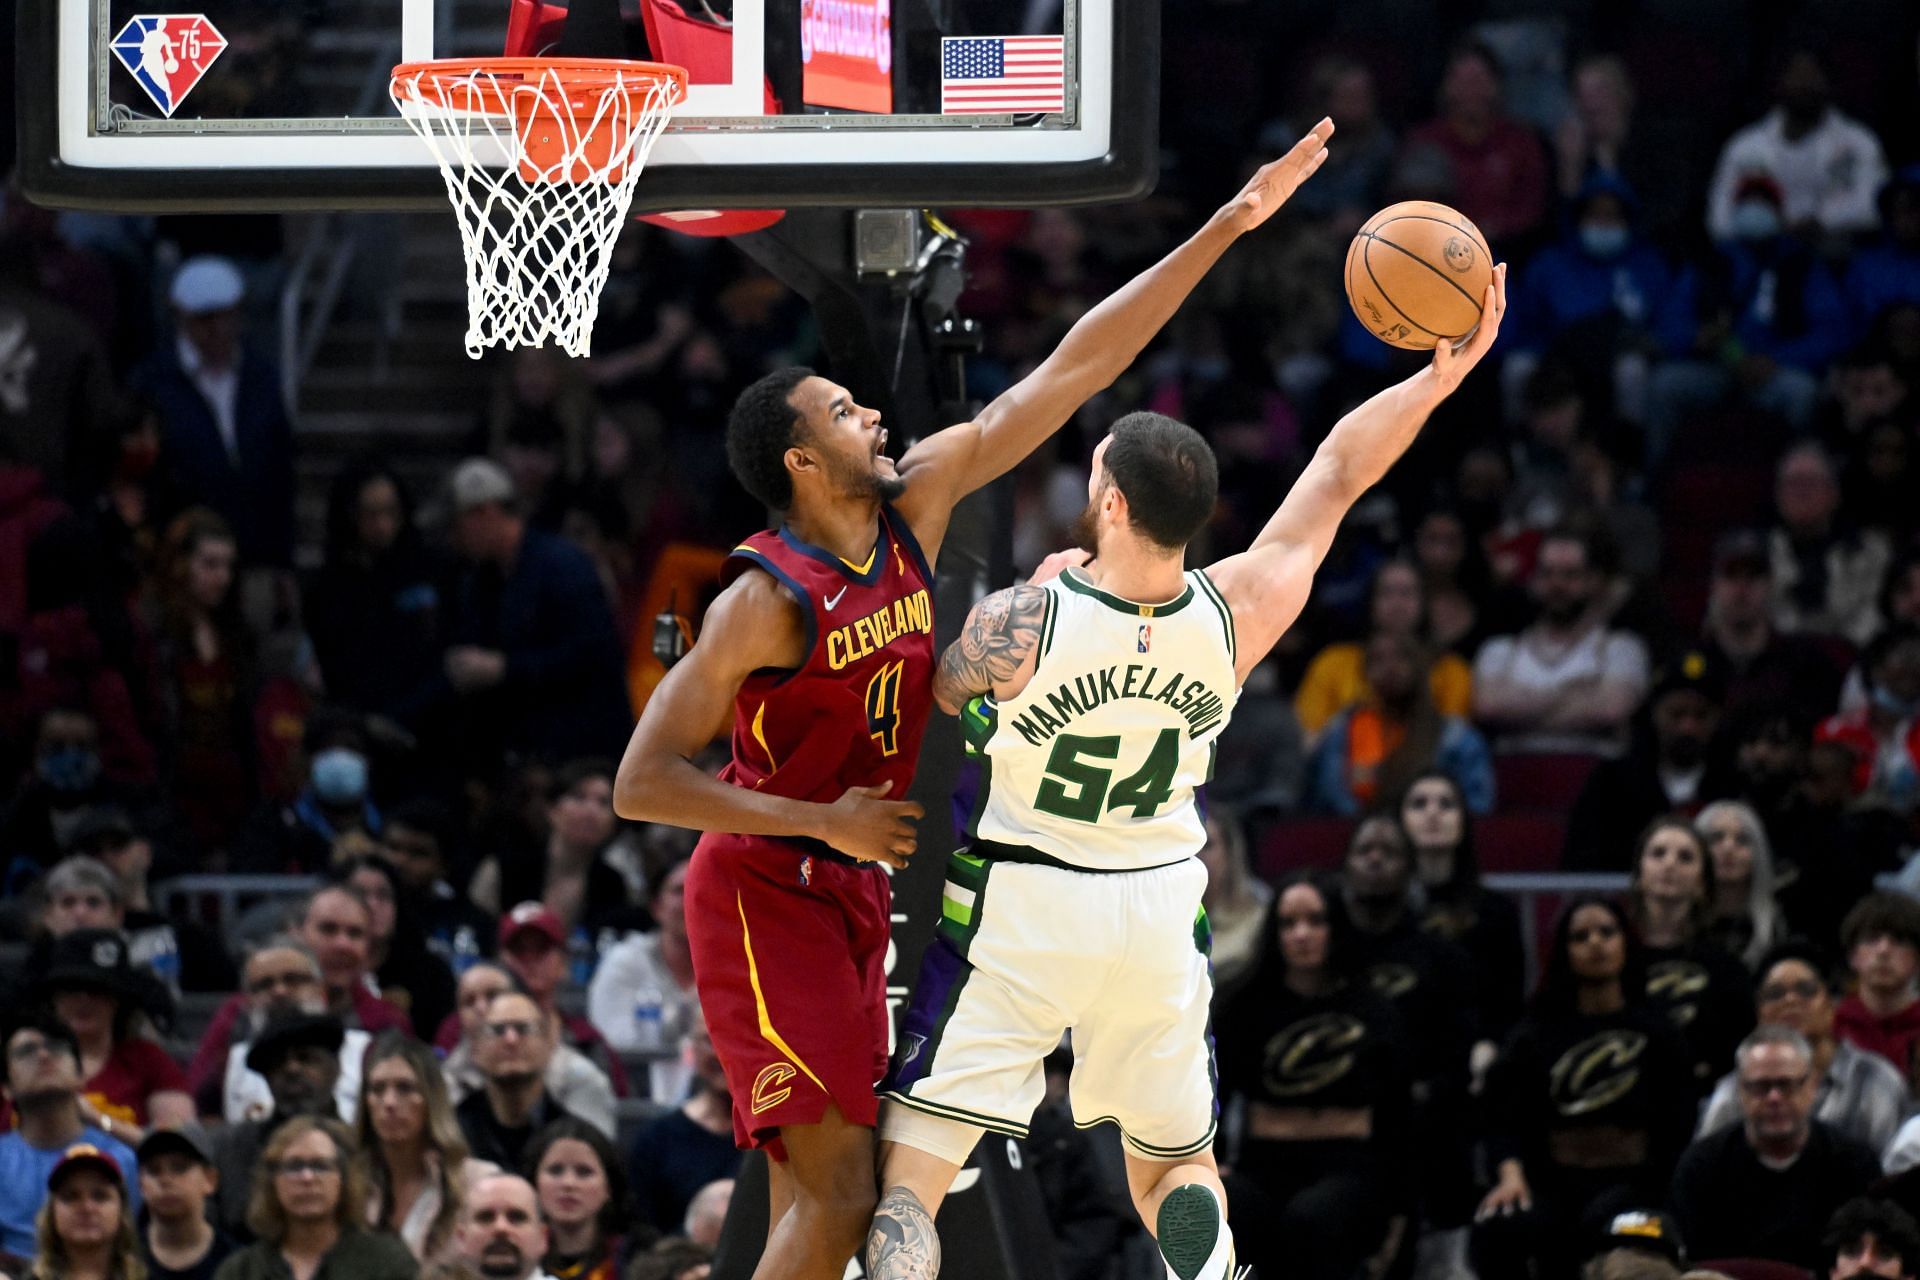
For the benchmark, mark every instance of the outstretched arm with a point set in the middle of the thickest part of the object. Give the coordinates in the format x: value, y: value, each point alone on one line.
x: 947, y: 466
x: 753, y: 625
x: 1267, y: 584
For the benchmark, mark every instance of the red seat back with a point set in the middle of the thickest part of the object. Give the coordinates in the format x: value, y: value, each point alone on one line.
x: 1304, y: 842
x: 1540, y: 782
x: 1754, y: 1269
x: 1519, y: 841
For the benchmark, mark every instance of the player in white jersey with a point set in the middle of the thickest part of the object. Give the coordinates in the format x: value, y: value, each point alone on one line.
x: 1095, y: 700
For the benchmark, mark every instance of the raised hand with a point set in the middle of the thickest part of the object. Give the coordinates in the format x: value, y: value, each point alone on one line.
x: 869, y: 828
x: 1453, y: 361
x: 1277, y: 180
x: 1050, y: 568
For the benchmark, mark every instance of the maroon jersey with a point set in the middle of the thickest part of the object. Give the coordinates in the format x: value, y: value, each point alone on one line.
x: 852, y: 714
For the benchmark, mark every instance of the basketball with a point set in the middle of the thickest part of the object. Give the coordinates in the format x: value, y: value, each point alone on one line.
x: 1418, y: 272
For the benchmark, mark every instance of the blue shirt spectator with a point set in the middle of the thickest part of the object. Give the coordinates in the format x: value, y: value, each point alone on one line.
x: 1887, y: 274
x: 43, y: 1083
x: 1776, y: 296
x: 1602, y: 270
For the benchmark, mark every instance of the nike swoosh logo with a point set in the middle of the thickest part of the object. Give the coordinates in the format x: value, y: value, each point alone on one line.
x: 834, y: 599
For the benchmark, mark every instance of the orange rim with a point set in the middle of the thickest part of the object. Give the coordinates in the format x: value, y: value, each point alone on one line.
x: 466, y: 84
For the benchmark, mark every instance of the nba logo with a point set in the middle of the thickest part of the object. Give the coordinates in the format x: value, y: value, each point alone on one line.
x: 167, y: 53
x: 1146, y: 637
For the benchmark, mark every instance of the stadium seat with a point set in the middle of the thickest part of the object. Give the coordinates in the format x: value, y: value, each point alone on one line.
x: 1303, y: 842
x: 1519, y: 841
x: 1540, y: 782
x: 1754, y: 1269
x: 193, y: 1013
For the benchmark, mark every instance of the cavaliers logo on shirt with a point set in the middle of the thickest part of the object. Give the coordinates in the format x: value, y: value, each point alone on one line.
x: 1677, y: 985
x: 1450, y: 922
x: 1392, y: 981
x: 1312, y: 1053
x: 1597, y: 1072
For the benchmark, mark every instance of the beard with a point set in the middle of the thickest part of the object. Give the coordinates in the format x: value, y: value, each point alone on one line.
x: 502, y: 1262
x: 1563, y: 613
x: 866, y: 484
x: 304, y: 1099
x: 1085, y: 530
x: 1685, y: 753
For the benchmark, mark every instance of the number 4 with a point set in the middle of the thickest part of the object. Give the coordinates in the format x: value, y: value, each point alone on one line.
x: 1152, y: 786
x: 1145, y: 790
x: 883, y: 707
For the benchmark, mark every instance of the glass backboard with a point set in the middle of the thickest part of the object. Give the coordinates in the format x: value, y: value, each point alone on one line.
x: 282, y: 104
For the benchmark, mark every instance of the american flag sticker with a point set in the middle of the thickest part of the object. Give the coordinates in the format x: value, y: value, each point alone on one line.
x: 1002, y: 73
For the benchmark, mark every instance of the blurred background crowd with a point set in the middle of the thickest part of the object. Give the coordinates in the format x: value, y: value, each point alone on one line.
x: 1642, y: 604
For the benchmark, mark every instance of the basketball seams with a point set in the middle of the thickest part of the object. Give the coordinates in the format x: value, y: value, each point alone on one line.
x: 1451, y: 283
x: 1380, y: 291
x: 1471, y: 233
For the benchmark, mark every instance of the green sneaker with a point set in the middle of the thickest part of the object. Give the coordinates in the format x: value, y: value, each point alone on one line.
x: 1193, y: 1235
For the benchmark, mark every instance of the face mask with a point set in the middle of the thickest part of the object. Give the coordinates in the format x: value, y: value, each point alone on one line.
x: 340, y: 775
x: 1604, y: 240
x: 1894, y: 705
x: 69, y: 769
x: 1756, y: 220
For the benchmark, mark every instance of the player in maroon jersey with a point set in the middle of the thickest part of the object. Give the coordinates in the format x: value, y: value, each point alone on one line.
x: 820, y: 653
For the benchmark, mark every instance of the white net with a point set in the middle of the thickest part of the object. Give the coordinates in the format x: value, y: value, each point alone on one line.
x: 540, y: 163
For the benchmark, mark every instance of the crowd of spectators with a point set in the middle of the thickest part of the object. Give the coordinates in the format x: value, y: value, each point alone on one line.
x: 1645, y: 601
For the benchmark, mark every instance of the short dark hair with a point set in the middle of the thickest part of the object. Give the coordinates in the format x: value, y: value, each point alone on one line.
x: 1481, y: 51
x: 1167, y: 474
x: 329, y: 727
x: 428, y: 816
x: 51, y: 1029
x: 574, y: 772
x: 667, y: 1259
x: 1804, y: 950
x: 1892, y: 1227
x: 1893, y: 914
x: 762, y: 427
x: 1882, y: 646
x: 1904, y: 562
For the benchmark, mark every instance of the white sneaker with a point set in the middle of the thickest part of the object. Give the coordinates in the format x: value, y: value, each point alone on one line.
x: 1193, y: 1235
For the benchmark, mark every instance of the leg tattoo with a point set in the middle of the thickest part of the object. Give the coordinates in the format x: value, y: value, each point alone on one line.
x: 903, y: 1244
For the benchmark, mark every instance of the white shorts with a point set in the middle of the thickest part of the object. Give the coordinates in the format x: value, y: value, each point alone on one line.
x: 1026, y: 952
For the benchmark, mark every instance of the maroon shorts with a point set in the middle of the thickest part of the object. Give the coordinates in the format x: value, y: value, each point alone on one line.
x: 790, y: 955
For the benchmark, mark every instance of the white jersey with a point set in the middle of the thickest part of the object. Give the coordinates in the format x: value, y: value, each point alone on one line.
x: 1093, y: 764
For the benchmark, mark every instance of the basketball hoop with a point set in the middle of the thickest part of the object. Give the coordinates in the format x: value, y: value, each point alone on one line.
x: 540, y: 156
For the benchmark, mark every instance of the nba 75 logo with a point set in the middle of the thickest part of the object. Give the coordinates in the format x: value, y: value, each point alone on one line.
x: 167, y: 53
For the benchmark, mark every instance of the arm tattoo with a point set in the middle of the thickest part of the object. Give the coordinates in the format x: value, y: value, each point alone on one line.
x: 903, y: 1244
x: 997, y: 636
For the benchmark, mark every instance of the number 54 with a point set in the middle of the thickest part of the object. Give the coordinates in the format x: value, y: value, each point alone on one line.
x: 1146, y: 789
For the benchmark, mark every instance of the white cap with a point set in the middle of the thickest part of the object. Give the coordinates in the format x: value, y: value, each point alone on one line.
x: 478, y: 481
x: 207, y: 283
